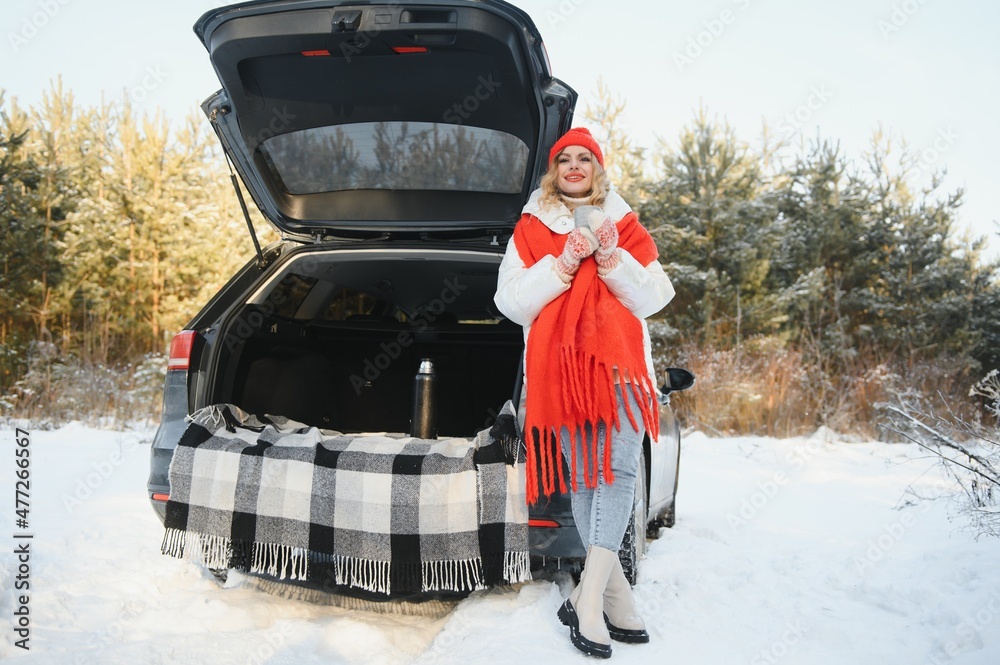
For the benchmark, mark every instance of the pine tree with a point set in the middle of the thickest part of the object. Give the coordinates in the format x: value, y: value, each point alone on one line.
x: 624, y: 162
x: 712, y: 215
x: 22, y: 274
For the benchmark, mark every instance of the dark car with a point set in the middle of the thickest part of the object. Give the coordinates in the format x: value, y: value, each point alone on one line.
x: 392, y: 146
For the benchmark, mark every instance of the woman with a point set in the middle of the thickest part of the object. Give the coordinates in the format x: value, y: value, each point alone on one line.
x: 580, y: 274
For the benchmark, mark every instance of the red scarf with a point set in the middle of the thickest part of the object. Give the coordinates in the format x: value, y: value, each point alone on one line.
x: 573, y: 348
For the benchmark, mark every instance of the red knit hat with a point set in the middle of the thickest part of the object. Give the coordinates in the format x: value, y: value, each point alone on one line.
x: 577, y: 136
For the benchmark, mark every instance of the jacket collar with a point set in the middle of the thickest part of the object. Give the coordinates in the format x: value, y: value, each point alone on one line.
x: 615, y: 208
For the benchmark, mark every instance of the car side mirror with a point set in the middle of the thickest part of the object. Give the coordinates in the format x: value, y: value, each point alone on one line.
x: 676, y: 379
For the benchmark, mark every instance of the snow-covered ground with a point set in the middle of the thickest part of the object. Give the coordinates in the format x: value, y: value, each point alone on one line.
x: 795, y: 551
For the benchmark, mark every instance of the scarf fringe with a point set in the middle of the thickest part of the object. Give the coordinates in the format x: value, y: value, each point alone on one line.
x: 543, y: 466
x: 575, y: 343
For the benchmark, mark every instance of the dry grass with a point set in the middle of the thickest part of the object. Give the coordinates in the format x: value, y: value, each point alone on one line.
x: 58, y: 389
x: 763, y: 387
x: 766, y: 388
x: 740, y: 391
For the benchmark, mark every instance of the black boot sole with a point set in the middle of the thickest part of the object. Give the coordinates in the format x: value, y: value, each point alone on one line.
x: 627, y: 635
x: 624, y: 635
x: 567, y: 615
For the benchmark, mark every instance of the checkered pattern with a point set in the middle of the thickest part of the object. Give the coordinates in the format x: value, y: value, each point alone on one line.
x: 386, y: 514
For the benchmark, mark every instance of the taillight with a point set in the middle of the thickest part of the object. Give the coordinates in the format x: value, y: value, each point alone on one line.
x: 161, y: 497
x: 409, y: 49
x: 551, y: 524
x: 316, y: 53
x: 180, y: 350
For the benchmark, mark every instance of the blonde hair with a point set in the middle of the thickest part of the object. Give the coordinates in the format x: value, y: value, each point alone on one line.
x: 551, y: 196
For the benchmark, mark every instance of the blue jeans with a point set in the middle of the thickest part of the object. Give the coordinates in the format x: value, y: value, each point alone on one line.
x: 602, y: 514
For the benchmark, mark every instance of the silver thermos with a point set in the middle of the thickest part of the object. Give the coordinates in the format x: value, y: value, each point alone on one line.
x: 424, y: 425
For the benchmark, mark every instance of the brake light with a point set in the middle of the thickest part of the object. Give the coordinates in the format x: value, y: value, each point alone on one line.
x: 410, y: 49
x: 180, y: 350
x: 551, y: 524
x: 313, y: 54
x: 161, y: 497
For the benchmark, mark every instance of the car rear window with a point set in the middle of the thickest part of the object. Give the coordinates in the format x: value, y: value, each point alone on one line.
x: 397, y: 155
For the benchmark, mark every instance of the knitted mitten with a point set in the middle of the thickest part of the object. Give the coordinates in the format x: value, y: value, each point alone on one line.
x: 607, y: 255
x: 578, y: 247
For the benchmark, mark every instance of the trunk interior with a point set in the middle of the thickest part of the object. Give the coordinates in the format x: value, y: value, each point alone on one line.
x: 334, y: 352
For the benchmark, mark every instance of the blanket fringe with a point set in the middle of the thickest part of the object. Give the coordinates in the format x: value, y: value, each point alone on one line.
x: 362, y: 573
x: 516, y: 567
x: 214, y: 551
x: 174, y: 541
x: 455, y: 575
x: 211, y: 551
x: 284, y: 562
x: 280, y: 561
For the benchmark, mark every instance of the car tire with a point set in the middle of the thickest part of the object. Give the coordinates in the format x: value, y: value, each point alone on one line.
x: 669, y: 517
x: 634, y: 542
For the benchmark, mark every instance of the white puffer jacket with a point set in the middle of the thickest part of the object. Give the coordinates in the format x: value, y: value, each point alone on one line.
x: 523, y: 292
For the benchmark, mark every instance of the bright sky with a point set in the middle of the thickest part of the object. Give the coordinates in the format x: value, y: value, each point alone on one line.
x: 926, y: 70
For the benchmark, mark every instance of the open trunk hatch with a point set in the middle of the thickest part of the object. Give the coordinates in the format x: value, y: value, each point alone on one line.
x: 381, y: 117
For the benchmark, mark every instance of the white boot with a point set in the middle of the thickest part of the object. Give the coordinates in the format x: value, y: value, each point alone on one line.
x: 624, y: 622
x: 584, y: 611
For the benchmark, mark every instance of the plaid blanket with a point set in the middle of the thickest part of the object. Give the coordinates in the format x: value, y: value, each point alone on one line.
x: 386, y: 514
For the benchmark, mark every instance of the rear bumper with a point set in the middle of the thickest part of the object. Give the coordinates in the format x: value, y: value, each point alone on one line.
x: 161, y: 452
x: 559, y: 538
x: 555, y: 537
x: 159, y: 506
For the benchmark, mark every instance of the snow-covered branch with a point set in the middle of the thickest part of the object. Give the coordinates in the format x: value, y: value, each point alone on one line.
x: 968, y: 450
